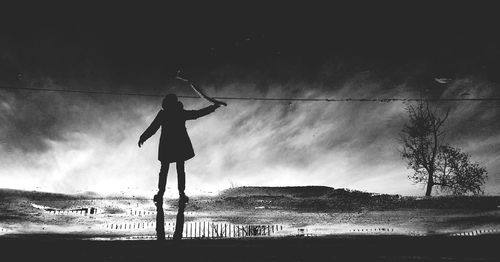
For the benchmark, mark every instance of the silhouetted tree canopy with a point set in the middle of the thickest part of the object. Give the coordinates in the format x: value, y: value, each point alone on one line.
x: 456, y: 174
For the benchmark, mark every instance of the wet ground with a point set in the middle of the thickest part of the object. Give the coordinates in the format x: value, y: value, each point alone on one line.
x: 135, y: 219
x: 59, y: 228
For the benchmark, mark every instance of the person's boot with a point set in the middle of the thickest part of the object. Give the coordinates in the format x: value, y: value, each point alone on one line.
x: 160, y: 236
x: 157, y: 199
x: 177, y: 237
x: 183, y: 198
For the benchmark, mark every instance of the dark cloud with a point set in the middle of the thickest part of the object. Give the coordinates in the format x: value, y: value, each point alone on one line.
x: 32, y: 120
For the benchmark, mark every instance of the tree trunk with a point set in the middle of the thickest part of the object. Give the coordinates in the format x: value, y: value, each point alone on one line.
x: 429, y: 189
x: 430, y: 183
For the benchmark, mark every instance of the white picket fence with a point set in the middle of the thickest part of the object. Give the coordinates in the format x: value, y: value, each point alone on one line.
x: 83, y: 211
x: 136, y: 212
x: 379, y: 229
x: 142, y: 212
x: 387, y: 230
x: 476, y: 232
x: 202, y: 229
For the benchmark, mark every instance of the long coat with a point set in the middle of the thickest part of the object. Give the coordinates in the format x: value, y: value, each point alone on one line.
x: 175, y: 144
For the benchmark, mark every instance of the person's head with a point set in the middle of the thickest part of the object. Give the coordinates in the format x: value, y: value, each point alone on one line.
x: 169, y: 101
x: 180, y: 106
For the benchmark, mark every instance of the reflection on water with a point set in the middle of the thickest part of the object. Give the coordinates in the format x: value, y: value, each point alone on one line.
x: 160, y: 221
x: 197, y: 228
x: 206, y: 229
x: 179, y: 221
x: 139, y: 220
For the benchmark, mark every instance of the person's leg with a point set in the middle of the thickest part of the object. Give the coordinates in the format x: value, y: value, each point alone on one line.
x: 158, y: 199
x: 162, y: 181
x: 179, y: 221
x: 160, y: 222
x: 181, y: 181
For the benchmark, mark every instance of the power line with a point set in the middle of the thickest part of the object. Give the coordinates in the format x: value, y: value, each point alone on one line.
x: 85, y: 91
x: 258, y: 98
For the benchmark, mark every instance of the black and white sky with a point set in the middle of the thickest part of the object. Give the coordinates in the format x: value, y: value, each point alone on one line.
x: 74, y: 142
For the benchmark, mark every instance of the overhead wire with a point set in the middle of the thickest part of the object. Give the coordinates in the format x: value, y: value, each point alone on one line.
x: 348, y: 99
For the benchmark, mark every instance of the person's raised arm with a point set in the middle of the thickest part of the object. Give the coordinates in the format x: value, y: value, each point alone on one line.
x: 151, y: 130
x: 193, y: 114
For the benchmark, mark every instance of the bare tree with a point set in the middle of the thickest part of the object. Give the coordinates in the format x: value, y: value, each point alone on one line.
x: 433, y: 161
x: 422, y: 137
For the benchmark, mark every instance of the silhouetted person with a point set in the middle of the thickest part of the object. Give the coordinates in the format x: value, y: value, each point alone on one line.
x: 175, y: 145
x: 160, y: 221
x: 179, y: 221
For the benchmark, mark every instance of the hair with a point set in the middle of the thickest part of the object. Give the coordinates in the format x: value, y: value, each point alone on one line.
x: 180, y: 105
x: 169, y: 101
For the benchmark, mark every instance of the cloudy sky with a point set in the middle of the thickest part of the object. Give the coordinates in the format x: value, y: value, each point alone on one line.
x: 71, y: 142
